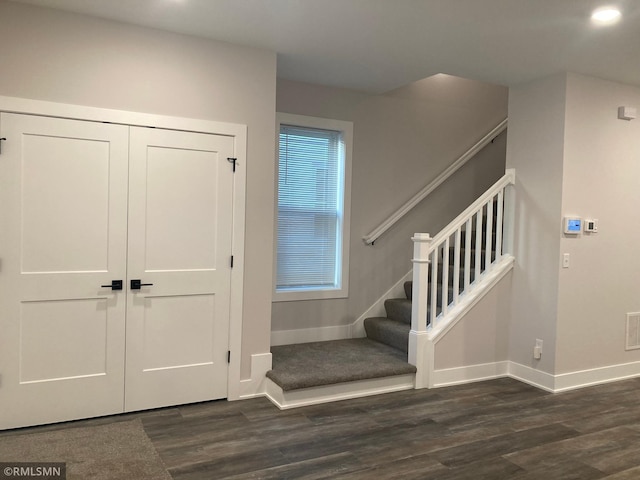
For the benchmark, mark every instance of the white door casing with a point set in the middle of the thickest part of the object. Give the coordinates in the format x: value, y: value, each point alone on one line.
x: 62, y: 242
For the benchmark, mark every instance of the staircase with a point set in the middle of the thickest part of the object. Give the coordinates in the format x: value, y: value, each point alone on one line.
x: 393, y: 330
x: 466, y: 259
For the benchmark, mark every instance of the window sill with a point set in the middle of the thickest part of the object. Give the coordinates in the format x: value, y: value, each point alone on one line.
x: 295, y: 296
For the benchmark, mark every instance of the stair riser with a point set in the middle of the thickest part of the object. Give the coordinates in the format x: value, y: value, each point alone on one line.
x: 388, y: 332
x: 398, y: 309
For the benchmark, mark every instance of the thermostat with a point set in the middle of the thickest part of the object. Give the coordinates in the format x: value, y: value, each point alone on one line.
x: 572, y: 225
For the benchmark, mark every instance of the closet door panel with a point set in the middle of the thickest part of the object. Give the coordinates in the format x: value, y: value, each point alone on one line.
x: 63, y: 210
x: 180, y: 224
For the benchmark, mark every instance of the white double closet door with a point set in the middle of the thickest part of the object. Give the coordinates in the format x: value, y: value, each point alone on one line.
x: 84, y: 205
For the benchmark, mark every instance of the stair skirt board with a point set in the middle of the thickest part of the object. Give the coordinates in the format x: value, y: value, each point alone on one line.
x: 377, y: 309
x: 336, y: 392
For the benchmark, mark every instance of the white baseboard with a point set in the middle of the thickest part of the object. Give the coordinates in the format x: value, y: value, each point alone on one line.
x: 333, y: 393
x: 536, y: 378
x: 471, y: 373
x: 595, y: 376
x: 255, y: 386
x: 307, y: 335
x: 573, y: 380
x: 377, y: 309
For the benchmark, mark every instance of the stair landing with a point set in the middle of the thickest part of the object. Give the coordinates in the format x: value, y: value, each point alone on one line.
x: 318, y: 372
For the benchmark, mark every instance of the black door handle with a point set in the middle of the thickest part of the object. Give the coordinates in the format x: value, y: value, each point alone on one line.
x: 115, y: 285
x: 137, y: 284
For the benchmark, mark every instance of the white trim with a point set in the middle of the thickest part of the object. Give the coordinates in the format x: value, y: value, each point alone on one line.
x: 421, y: 355
x: 236, y: 299
x: 536, y: 378
x: 439, y: 180
x: 596, y: 376
x: 96, y: 114
x: 333, y: 393
x: 307, y: 335
x: 239, y: 132
x: 551, y: 383
x: 255, y: 386
x: 377, y: 309
x: 347, y: 137
x: 470, y: 373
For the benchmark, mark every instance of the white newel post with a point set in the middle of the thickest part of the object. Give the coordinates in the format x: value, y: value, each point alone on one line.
x: 418, y: 339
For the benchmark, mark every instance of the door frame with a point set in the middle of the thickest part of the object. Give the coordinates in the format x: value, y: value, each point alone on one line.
x: 237, y: 131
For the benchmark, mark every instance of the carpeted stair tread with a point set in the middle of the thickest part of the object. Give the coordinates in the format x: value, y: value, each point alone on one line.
x: 387, y: 331
x: 316, y: 364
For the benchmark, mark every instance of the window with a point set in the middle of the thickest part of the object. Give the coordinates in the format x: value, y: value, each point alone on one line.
x: 312, y: 235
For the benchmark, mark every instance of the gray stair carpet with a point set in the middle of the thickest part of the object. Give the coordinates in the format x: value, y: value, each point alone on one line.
x: 324, y: 363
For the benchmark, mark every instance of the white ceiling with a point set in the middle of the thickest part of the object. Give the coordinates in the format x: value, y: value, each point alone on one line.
x: 379, y: 45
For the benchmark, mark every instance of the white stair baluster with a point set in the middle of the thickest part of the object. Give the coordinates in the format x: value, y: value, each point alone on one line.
x: 467, y: 253
x: 489, y: 236
x: 445, y: 277
x: 478, y: 245
x: 434, y: 286
x: 456, y: 268
x: 499, y: 225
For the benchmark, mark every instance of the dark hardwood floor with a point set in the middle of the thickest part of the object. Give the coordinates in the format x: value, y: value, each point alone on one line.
x: 499, y: 429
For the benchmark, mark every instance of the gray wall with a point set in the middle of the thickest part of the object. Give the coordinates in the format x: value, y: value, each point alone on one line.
x: 61, y: 57
x: 482, y: 335
x: 573, y: 156
x: 601, y: 180
x: 535, y: 149
x: 402, y: 140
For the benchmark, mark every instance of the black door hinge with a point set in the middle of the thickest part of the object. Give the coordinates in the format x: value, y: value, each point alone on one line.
x: 231, y: 261
x: 232, y: 160
x: 228, y: 356
x: 3, y: 139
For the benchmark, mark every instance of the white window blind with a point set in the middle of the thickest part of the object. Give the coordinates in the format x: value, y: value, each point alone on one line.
x: 310, y: 208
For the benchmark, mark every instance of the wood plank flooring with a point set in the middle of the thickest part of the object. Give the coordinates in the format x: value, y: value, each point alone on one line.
x: 499, y: 429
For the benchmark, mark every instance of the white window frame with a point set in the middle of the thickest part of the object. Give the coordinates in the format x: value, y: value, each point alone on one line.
x: 347, y: 137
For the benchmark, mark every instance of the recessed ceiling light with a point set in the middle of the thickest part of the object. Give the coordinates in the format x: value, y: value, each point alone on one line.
x: 605, y: 15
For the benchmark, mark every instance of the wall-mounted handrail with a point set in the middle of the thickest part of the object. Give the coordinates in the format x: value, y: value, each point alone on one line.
x: 439, y: 180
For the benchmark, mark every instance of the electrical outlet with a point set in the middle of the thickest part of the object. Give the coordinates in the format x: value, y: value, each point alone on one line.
x: 537, y: 349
